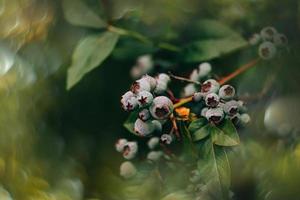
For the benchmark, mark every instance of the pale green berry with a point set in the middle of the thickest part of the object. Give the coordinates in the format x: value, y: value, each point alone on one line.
x: 127, y: 170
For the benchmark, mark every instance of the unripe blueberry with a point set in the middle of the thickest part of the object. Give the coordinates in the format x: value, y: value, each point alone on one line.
x: 164, y: 77
x: 144, y: 128
x: 212, y: 100
x: 189, y: 90
x: 152, y: 81
x: 154, y: 155
x: 145, y: 62
x: 130, y: 150
x: 268, y: 33
x: 204, y: 69
x: 242, y: 107
x: 280, y: 40
x: 161, y: 87
x: 153, y: 142
x: 120, y: 144
x: 127, y: 169
x: 161, y: 107
x: 144, y: 98
x: 129, y: 101
x: 210, y: 86
x: 267, y: 50
x: 255, y: 39
x: 226, y: 92
x: 203, y: 111
x: 194, y: 76
x: 144, y: 115
x: 215, y: 115
x: 127, y: 95
x: 245, y: 118
x: 231, y: 107
x: 166, y: 138
x: 157, y: 125
x: 140, y: 85
x: 197, y: 96
x: 136, y: 72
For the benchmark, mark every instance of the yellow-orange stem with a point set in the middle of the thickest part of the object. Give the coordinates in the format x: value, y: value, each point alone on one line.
x: 238, y: 71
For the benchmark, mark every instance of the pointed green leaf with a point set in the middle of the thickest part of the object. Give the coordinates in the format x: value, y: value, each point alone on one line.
x: 199, y: 129
x: 197, y: 124
x: 227, y: 134
x: 77, y: 13
x: 201, y: 133
x: 214, y: 168
x: 90, y: 52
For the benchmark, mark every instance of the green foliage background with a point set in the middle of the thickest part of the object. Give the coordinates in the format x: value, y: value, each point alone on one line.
x: 83, y: 123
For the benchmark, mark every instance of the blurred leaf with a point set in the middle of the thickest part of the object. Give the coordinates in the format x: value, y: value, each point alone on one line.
x: 148, y: 188
x: 217, y: 40
x: 77, y: 13
x: 214, y: 168
x: 226, y: 135
x: 179, y: 195
x: 208, y: 28
x: 129, y: 123
x: 90, y: 53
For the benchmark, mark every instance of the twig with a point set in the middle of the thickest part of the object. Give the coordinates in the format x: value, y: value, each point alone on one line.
x: 239, y: 71
x: 183, y: 79
x: 175, y: 128
x: 142, y: 38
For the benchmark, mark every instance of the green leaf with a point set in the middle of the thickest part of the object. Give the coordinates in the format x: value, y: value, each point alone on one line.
x: 215, y: 169
x: 197, y: 124
x: 225, y: 136
x: 77, y: 13
x: 201, y: 133
x: 219, y: 137
x: 90, y: 53
x: 229, y: 129
x: 189, y: 151
x: 129, y: 123
x: 215, y: 40
x: 199, y: 129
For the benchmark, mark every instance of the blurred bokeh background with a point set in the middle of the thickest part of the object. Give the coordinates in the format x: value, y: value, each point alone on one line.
x: 59, y: 144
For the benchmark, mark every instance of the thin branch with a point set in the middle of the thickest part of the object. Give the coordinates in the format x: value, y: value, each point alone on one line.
x: 183, y: 79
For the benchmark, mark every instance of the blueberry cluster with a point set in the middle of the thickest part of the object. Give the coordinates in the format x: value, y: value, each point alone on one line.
x: 219, y: 103
x: 146, y: 97
x: 198, y: 74
x: 269, y: 41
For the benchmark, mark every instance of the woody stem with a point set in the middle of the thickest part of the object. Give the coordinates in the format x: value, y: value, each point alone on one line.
x: 183, y: 79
